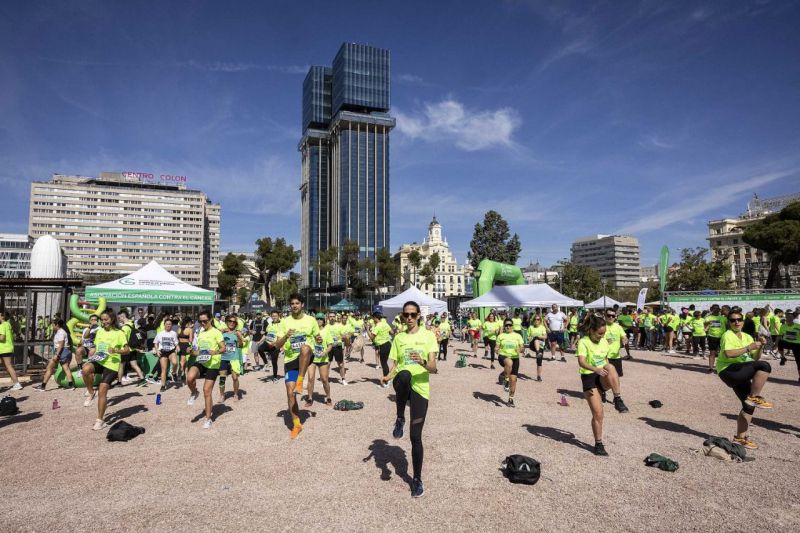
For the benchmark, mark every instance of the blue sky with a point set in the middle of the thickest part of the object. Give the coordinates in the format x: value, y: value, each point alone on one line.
x: 569, y: 118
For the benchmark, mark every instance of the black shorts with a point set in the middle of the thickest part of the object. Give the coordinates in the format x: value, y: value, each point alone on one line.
x: 206, y: 373
x: 514, y: 364
x: 555, y: 336
x: 486, y: 341
x: 165, y: 353
x: 628, y: 331
x: 616, y: 362
x: 592, y: 381
x: 132, y: 355
x: 739, y: 377
x: 337, y: 353
x: 292, y: 365
x: 668, y: 329
x: 184, y: 348
x: 713, y: 343
x: 108, y: 375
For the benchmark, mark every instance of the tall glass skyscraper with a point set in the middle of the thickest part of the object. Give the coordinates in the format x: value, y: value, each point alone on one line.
x: 344, y: 183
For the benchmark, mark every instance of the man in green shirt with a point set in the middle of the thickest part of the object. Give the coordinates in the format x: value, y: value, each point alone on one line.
x: 626, y: 321
x: 716, y: 324
x: 7, y: 349
x: 790, y: 340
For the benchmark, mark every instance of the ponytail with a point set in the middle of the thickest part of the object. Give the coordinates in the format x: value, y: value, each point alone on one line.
x: 591, y: 322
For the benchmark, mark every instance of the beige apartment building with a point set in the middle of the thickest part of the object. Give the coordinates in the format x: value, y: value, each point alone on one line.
x: 615, y: 257
x: 749, y: 266
x: 119, y: 221
x: 451, y: 278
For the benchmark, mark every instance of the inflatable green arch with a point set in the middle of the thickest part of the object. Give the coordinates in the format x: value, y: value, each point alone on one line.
x: 491, y: 273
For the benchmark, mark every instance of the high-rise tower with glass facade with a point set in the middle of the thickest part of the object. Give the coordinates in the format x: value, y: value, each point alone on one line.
x: 344, y: 183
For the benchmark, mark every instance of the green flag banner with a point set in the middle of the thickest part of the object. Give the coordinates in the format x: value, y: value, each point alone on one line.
x: 662, y: 268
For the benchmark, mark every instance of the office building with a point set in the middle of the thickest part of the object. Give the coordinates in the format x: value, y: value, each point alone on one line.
x: 749, y: 266
x: 615, y: 257
x: 118, y: 222
x: 451, y: 279
x: 537, y: 273
x: 344, y: 186
x: 15, y: 255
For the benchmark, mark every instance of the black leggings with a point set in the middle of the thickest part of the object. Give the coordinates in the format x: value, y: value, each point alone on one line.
x: 739, y: 377
x: 419, y: 409
x: 698, y: 344
x: 273, y: 356
x: 443, y: 349
x: 383, y: 352
x: 492, y: 346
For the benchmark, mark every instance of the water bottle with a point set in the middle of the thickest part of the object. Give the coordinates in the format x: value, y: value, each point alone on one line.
x: 55, y: 404
x: 158, y: 399
x: 563, y: 402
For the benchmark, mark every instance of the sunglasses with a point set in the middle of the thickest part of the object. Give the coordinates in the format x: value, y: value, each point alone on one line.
x: 410, y: 315
x: 203, y: 321
x: 733, y: 320
x: 231, y: 322
x: 611, y: 315
x: 508, y: 325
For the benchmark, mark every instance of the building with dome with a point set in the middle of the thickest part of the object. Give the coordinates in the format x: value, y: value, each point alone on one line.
x: 451, y: 278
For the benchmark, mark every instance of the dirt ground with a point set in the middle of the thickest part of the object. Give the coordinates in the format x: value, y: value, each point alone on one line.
x: 346, y: 473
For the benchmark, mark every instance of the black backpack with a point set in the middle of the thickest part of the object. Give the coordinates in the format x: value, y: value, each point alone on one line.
x: 8, y: 406
x: 122, y: 431
x: 137, y: 340
x: 522, y: 469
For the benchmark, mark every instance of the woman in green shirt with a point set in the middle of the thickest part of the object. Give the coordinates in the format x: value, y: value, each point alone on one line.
x: 537, y: 334
x: 740, y: 368
x: 511, y: 346
x: 7, y: 349
x: 413, y: 356
x: 790, y: 339
x: 490, y: 330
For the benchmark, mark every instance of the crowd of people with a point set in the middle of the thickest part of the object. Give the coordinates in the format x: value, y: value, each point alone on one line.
x: 216, y: 347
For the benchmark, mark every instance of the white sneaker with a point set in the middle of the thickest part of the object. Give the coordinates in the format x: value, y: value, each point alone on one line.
x: 89, y: 400
x: 126, y: 380
x: 344, y: 382
x: 99, y: 424
x: 151, y: 380
x: 192, y: 398
x: 17, y: 386
x: 207, y: 424
x: 671, y: 351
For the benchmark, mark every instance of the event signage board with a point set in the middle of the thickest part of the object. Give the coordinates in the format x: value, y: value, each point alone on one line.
x: 747, y: 302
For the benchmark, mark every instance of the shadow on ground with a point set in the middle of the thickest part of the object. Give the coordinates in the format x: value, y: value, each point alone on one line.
x: 571, y: 393
x: 769, y: 424
x: 558, y: 435
x: 287, y: 417
x: 386, y: 455
x: 122, y: 397
x: 217, y: 410
x: 16, y: 419
x: 490, y: 398
x: 674, y: 427
x: 703, y: 369
x: 126, y: 412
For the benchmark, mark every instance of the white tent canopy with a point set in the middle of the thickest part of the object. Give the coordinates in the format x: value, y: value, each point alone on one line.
x: 604, y: 302
x: 393, y: 306
x: 536, y: 295
x: 151, y: 284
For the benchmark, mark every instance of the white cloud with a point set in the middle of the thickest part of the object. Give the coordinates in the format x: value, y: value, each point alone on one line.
x: 655, y: 141
x: 409, y: 78
x: 470, y: 130
x: 721, y: 194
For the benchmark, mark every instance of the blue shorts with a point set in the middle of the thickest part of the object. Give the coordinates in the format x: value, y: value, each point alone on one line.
x: 555, y: 336
x: 291, y: 376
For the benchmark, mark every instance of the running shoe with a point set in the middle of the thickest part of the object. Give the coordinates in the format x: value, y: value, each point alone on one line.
x: 746, y: 442
x: 603, y: 397
x: 99, y: 424
x: 563, y: 359
x: 538, y: 378
x: 398, y: 428
x: 783, y: 361
x: 17, y: 386
x: 491, y: 366
x: 758, y: 401
x: 506, y: 388
x: 295, y: 432
x: 599, y: 449
x: 71, y: 386
x: 163, y: 388
x: 417, y: 488
x: 192, y: 398
x: 152, y: 380
x: 511, y: 402
x: 619, y: 405
x: 207, y: 424
x: 39, y: 387
x: 89, y: 400
x: 344, y: 382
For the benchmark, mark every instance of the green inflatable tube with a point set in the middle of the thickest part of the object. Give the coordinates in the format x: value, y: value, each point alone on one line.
x: 491, y: 273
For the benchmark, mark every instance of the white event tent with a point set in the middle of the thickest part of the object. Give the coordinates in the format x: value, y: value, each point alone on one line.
x: 604, y: 302
x: 393, y: 306
x: 151, y: 284
x: 536, y: 295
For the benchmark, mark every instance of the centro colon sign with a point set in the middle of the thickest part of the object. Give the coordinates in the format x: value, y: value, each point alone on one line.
x: 149, y: 178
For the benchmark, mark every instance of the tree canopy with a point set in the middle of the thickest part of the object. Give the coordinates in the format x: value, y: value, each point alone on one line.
x: 579, y: 281
x: 388, y: 268
x: 232, y: 268
x: 493, y: 240
x: 273, y: 257
x: 779, y: 236
x: 694, y: 273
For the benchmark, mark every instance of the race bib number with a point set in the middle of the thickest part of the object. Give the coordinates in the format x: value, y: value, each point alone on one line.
x: 335, y: 339
x: 296, y: 342
x: 716, y: 324
x: 408, y: 360
x: 271, y: 337
x: 203, y: 356
x: 509, y: 346
x: 230, y: 347
x: 318, y: 350
x: 98, y: 357
x: 612, y: 338
x: 167, y: 345
x: 597, y: 359
x: 790, y: 336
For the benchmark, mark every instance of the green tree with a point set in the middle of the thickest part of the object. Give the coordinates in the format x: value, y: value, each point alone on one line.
x: 349, y: 258
x: 779, y: 236
x: 579, y: 281
x: 284, y: 288
x: 388, y: 268
x: 493, y: 240
x: 232, y: 268
x: 326, y: 261
x: 242, y: 295
x: 273, y: 257
x: 694, y: 273
x: 428, y: 271
x: 415, y: 260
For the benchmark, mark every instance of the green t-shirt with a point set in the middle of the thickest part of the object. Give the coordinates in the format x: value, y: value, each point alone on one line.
x: 305, y: 329
x: 508, y: 344
x: 320, y: 355
x: 626, y: 321
x: 423, y: 342
x: 774, y: 324
x: 104, y: 341
x: 7, y: 346
x: 382, y: 332
x: 647, y: 321
x: 596, y: 354
x: 698, y: 326
x: 271, y: 334
x: 572, y: 326
x: 356, y: 325
x: 517, y: 324
x: 731, y: 341
x: 491, y: 329
x: 345, y: 331
x: 614, y: 335
x: 674, y: 322
x: 790, y: 333
x: 537, y: 331
x: 445, y: 328
x: 716, y: 325
x: 474, y: 323
x: 208, y: 341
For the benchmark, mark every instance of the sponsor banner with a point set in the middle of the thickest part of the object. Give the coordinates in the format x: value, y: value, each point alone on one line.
x: 747, y: 302
x: 641, y: 299
x: 151, y: 296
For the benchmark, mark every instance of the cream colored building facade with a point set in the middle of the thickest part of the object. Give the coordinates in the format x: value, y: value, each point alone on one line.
x: 118, y: 222
x: 749, y: 266
x: 451, y: 277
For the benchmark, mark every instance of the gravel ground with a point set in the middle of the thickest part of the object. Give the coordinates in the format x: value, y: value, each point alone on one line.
x: 346, y: 472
